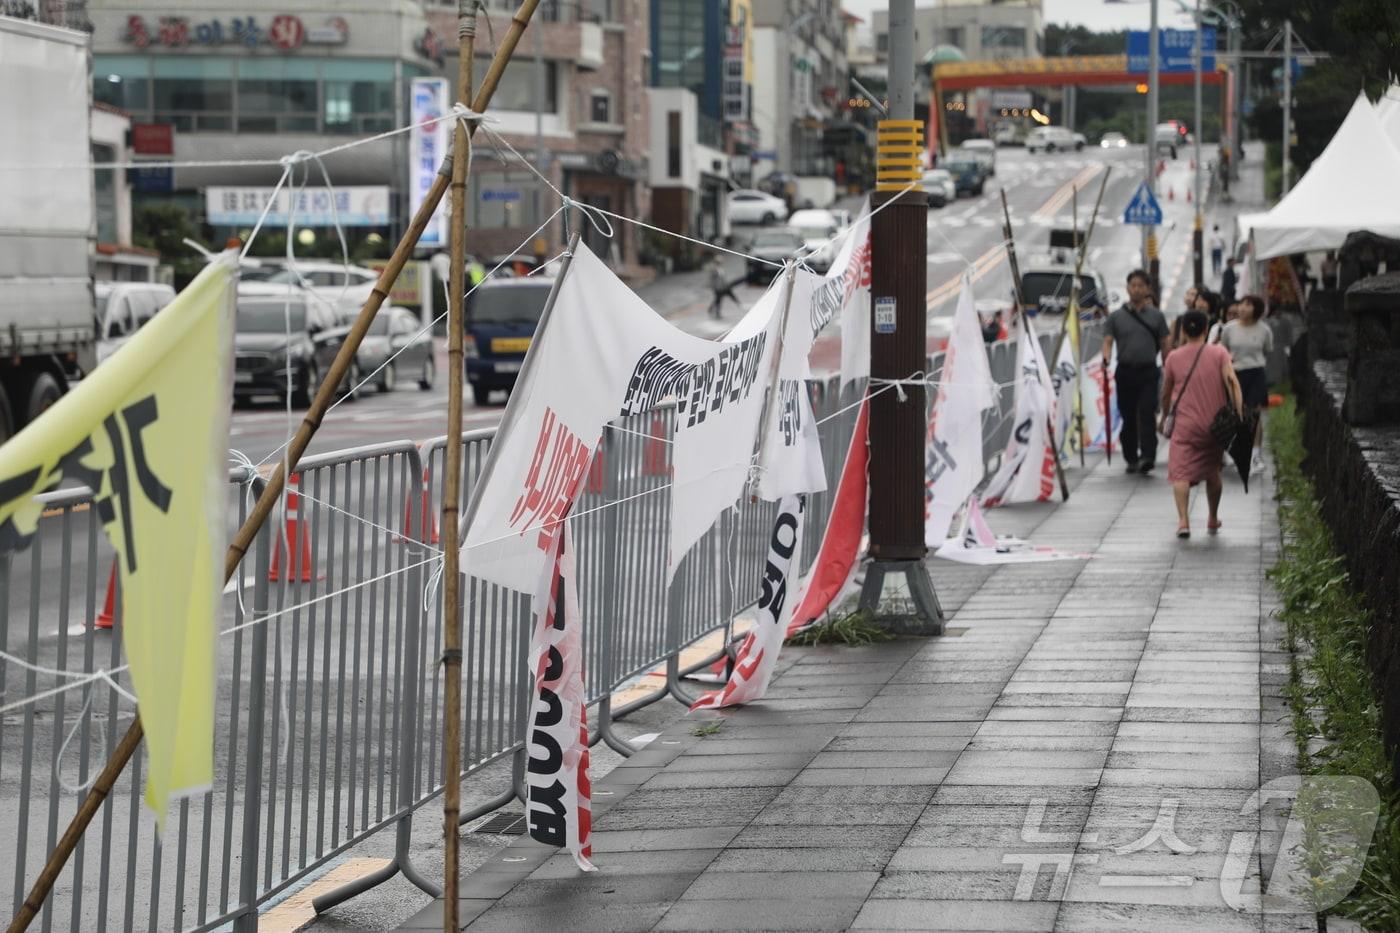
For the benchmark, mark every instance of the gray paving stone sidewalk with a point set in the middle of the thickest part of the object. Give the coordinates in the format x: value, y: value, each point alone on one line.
x: 1078, y: 754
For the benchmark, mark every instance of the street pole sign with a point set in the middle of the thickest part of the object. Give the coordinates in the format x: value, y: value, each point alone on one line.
x: 1143, y: 208
x: 1176, y: 50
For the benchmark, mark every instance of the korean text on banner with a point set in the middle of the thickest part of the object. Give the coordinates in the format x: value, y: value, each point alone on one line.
x: 790, y: 451
x: 604, y: 354
x: 953, y: 464
x: 427, y: 146
x: 1027, y: 471
x: 758, y: 655
x: 1065, y: 380
x: 560, y: 795
x: 148, y: 432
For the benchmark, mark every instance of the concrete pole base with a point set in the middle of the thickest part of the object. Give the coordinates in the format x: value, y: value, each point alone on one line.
x: 917, y: 612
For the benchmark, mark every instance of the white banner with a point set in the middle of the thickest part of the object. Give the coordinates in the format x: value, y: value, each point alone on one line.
x: 846, y: 291
x: 1065, y: 379
x: 1098, y: 412
x: 953, y: 464
x: 1027, y: 471
x: 790, y: 453
x: 602, y: 354
x: 978, y: 546
x: 560, y: 804
x: 352, y: 206
x: 427, y: 146
x: 759, y: 653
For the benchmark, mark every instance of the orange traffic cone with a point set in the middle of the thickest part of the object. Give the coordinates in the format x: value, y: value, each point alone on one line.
x: 429, y: 517
x: 108, y: 615
x: 654, y: 453
x: 297, y: 539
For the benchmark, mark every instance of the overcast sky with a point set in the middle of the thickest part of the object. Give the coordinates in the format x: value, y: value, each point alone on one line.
x: 1094, y: 14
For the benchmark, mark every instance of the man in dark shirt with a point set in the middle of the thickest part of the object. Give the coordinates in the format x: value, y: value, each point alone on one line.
x: 1228, y: 283
x: 1140, y: 331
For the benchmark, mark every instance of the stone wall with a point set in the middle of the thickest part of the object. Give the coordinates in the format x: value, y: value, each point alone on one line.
x: 1356, y: 471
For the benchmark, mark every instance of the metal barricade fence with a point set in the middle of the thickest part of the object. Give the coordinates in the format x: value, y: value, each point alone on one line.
x: 328, y: 693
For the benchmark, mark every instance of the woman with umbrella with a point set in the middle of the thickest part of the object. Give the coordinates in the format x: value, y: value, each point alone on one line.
x: 1197, y: 381
x: 1250, y: 341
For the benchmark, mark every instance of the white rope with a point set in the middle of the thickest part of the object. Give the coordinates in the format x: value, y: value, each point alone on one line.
x: 375, y: 525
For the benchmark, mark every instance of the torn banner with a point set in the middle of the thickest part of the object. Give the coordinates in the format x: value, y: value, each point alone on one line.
x: 976, y: 544
x: 148, y: 432
x: 758, y: 655
x: 1027, y: 472
x: 953, y: 464
x: 559, y: 802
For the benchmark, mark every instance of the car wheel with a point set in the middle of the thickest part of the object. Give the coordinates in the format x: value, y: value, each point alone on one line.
x: 767, y: 219
x: 428, y: 376
x: 1078, y: 147
x: 388, y: 379
x: 43, y: 392
x: 481, y: 395
x: 1049, y: 147
x: 308, y: 380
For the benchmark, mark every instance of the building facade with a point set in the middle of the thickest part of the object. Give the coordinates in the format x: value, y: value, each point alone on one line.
x: 800, y: 84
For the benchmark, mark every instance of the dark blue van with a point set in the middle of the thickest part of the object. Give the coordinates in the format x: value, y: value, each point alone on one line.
x: 501, y: 317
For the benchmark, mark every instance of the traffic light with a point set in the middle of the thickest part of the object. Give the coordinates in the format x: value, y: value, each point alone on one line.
x: 1142, y: 88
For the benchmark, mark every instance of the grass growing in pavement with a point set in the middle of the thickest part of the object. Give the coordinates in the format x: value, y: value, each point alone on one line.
x: 857, y: 628
x: 710, y: 728
x: 1330, y: 687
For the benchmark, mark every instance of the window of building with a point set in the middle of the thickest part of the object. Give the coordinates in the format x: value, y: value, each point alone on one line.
x: 358, y: 96
x: 600, y: 106
x: 104, y: 185
x: 1003, y: 37
x: 193, y: 93
x: 277, y: 95
x: 504, y: 199
x: 882, y: 42
x: 673, y: 144
x: 517, y: 88
x: 680, y: 44
x: 953, y: 36
x: 123, y: 81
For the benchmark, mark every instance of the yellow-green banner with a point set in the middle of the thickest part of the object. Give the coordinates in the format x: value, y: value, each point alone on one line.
x: 147, y: 431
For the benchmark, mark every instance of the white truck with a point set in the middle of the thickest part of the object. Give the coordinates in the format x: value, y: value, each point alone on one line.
x: 47, y: 224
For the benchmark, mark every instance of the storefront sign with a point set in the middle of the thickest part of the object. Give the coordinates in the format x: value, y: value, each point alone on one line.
x: 509, y: 194
x: 427, y: 145
x: 156, y: 142
x: 284, y: 31
x: 353, y: 206
x: 1011, y: 100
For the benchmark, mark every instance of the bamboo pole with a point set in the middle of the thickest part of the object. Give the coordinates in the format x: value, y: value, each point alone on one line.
x: 1010, y: 238
x: 107, y: 778
x: 452, y: 481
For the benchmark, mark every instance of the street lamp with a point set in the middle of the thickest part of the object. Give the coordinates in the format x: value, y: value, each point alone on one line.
x: 1149, y: 237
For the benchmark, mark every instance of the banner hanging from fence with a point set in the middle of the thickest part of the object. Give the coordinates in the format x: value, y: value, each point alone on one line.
x: 847, y: 286
x: 953, y: 460
x: 560, y: 804
x: 147, y: 431
x: 1064, y: 378
x: 1027, y: 472
x: 758, y: 655
x: 603, y: 354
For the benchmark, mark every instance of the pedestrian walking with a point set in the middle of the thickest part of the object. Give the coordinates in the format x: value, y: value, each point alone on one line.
x: 722, y: 287
x: 1250, y: 341
x: 1140, y: 331
x: 1229, y: 281
x: 1198, y: 380
x: 1217, y: 249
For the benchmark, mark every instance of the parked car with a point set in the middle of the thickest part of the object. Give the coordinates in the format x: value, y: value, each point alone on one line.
x: 340, y: 288
x: 288, y: 335
x: 983, y: 149
x: 1052, y: 139
x: 774, y: 246
x: 1113, y: 141
x: 938, y: 184
x: 1046, y: 286
x: 122, y: 307
x: 397, y: 333
x: 1168, y: 136
x: 501, y: 317
x: 1080, y: 141
x: 818, y: 230
x: 1006, y: 135
x: 747, y: 206
x: 969, y: 175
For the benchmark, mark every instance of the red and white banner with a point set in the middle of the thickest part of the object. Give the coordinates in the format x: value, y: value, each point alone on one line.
x: 977, y: 545
x: 847, y: 282
x: 953, y: 464
x: 1027, y: 471
x: 838, y: 558
x: 1098, y: 412
x: 559, y: 795
x: 759, y: 652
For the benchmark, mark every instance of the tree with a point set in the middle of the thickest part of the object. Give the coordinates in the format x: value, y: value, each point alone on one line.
x: 163, y: 227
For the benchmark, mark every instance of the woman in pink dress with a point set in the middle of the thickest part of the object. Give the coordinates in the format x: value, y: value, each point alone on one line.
x: 1197, y: 380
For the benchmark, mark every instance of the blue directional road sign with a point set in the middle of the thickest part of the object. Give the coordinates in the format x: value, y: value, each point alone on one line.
x: 1143, y: 209
x: 1175, y: 50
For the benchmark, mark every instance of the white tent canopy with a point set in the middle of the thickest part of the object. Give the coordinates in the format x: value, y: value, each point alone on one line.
x: 1388, y: 110
x: 1350, y: 187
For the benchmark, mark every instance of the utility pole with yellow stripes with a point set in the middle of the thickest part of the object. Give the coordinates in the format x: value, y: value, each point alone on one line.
x: 898, y: 419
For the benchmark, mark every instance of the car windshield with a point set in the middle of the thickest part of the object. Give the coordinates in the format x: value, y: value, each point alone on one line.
x: 1050, y: 290
x: 509, y: 304
x: 776, y: 238
x: 270, y: 317
x: 960, y: 166
x: 257, y: 273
